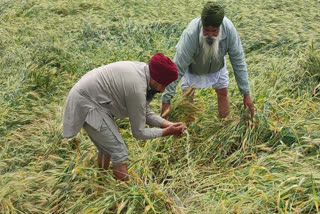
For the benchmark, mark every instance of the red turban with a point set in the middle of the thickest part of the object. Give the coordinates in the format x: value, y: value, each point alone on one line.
x: 162, y: 69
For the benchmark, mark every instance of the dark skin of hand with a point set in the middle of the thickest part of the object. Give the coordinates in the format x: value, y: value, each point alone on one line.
x: 176, y: 129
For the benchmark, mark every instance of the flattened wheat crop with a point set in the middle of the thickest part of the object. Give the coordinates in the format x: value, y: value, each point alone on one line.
x: 269, y: 164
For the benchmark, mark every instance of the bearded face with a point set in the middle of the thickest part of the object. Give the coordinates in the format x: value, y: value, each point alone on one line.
x: 150, y: 94
x: 210, y: 46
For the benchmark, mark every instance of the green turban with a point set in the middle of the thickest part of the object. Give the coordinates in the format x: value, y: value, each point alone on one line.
x: 212, y: 14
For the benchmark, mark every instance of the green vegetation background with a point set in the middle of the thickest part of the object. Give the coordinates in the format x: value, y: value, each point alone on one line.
x: 270, y: 165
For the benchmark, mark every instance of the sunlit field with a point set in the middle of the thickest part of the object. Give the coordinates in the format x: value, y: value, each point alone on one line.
x: 268, y: 164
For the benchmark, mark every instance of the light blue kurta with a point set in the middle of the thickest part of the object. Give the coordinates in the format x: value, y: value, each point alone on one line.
x: 188, y: 56
x: 115, y: 90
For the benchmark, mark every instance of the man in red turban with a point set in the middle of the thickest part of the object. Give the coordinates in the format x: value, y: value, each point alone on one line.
x: 119, y: 90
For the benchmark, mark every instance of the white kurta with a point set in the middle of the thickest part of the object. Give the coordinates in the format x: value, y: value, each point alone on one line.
x: 115, y: 90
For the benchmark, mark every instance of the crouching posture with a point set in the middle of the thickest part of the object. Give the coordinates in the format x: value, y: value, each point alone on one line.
x: 119, y: 90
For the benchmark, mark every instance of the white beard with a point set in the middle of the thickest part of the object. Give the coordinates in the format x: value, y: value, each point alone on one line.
x: 210, y: 51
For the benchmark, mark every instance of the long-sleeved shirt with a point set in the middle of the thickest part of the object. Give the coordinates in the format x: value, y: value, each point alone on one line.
x: 188, y: 51
x: 114, y: 90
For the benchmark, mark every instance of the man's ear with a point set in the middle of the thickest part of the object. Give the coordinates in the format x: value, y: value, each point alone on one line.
x: 153, y: 83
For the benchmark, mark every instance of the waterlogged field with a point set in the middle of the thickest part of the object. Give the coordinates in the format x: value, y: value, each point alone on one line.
x: 268, y: 165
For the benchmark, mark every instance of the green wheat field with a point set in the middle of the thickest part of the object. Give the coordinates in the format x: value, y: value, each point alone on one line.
x: 268, y: 164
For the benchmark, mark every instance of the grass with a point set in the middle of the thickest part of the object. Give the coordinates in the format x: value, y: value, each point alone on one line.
x: 267, y: 165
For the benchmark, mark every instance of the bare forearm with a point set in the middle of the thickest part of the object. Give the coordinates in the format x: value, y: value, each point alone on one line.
x: 165, y: 124
x: 166, y: 132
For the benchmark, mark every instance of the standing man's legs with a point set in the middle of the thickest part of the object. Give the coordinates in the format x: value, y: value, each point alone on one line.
x: 220, y: 82
x: 223, y: 102
x: 104, y: 161
x: 120, y: 171
x: 189, y: 94
x: 109, y: 149
x: 221, y: 88
x: 187, y: 90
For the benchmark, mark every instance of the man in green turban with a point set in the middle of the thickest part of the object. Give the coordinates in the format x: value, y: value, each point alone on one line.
x: 200, y: 59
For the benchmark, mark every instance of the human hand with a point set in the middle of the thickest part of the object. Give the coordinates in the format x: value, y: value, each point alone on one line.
x: 176, y: 129
x: 247, y: 102
x: 182, y: 131
x: 165, y: 110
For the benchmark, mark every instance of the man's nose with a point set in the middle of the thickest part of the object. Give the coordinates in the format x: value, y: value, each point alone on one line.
x: 212, y: 34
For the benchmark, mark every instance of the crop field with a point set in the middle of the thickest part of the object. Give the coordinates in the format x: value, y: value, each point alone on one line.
x: 267, y: 164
